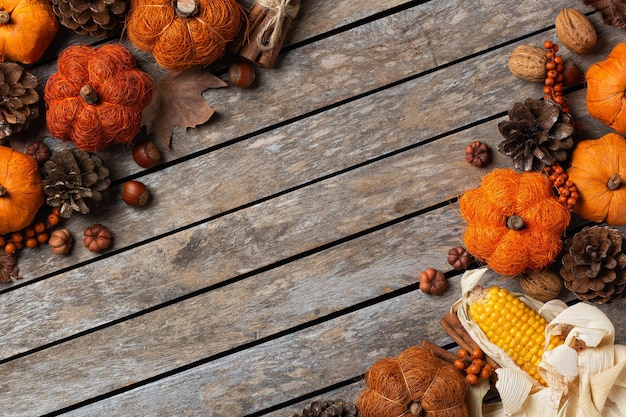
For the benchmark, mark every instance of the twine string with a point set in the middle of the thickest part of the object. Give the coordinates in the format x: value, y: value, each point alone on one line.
x: 281, y: 9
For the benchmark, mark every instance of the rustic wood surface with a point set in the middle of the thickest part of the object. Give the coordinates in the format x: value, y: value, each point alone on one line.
x: 278, y: 257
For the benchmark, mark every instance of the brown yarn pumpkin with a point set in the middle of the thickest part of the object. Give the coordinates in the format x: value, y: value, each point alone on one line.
x: 183, y: 33
x: 97, y: 96
x: 416, y: 383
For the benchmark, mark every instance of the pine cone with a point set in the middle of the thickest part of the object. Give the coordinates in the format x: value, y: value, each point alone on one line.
x: 91, y: 17
x: 594, y: 267
x: 537, y: 135
x: 336, y: 408
x: 74, y: 178
x: 18, y: 99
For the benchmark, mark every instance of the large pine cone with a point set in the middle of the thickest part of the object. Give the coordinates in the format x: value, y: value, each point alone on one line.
x: 91, y: 17
x: 18, y: 99
x: 74, y: 180
x: 336, y: 408
x: 594, y: 267
x: 537, y: 135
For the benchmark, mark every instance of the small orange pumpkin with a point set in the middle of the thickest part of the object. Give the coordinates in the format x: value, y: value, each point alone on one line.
x: 598, y: 168
x: 514, y: 221
x: 606, y: 84
x: 27, y: 28
x: 97, y: 96
x: 183, y: 33
x: 415, y: 383
x: 21, y: 192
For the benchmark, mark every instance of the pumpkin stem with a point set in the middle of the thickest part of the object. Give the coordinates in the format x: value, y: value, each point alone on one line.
x: 515, y: 222
x: 614, y: 182
x: 415, y: 409
x: 3, y: 191
x: 4, y: 17
x: 89, y: 94
x: 186, y: 8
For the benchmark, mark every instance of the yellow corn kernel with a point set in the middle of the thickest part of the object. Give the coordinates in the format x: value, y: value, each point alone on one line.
x: 524, y: 340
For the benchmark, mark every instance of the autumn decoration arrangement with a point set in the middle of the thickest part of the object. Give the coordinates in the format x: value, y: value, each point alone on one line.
x: 549, y: 221
x: 540, y: 356
x: 99, y: 98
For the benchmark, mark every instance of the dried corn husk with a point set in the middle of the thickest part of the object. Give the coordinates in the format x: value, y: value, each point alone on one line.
x: 586, y: 376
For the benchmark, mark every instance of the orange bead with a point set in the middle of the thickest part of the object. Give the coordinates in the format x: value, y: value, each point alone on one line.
x: 39, y: 227
x: 548, y: 45
x: 53, y: 219
x: 558, y: 169
x: 550, y: 65
x: 31, y: 242
x: 42, y: 238
x: 571, y: 201
x: 552, y: 73
x: 10, y: 248
x: 16, y: 237
x: 558, y: 59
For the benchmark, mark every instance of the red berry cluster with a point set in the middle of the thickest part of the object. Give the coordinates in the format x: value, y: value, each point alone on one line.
x: 565, y: 188
x: 474, y: 366
x: 32, y: 235
x: 553, y: 88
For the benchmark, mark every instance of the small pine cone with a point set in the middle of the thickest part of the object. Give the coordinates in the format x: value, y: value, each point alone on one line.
x: 9, y: 271
x: 97, y: 18
x: 74, y: 180
x: 18, y: 99
x: 537, y: 135
x: 336, y: 408
x: 594, y: 265
x: 38, y: 150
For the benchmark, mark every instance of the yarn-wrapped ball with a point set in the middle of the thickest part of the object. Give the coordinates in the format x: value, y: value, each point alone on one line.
x: 416, y: 383
x: 515, y: 223
x: 97, y: 96
x: 183, y: 33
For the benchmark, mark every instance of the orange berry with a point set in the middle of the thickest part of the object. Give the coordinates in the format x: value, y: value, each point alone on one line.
x: 42, y: 237
x: 40, y: 227
x: 10, y: 248
x: 53, y: 219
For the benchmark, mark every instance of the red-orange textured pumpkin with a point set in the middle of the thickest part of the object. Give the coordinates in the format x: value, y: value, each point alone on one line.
x: 514, y: 221
x: 21, y: 192
x: 416, y: 383
x: 606, y: 84
x: 183, y: 33
x: 27, y: 28
x: 598, y: 170
x: 97, y: 96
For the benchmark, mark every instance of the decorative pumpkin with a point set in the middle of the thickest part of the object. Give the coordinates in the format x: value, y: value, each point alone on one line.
x: 606, y: 83
x: 21, y: 193
x: 97, y: 96
x: 598, y: 168
x: 183, y: 33
x: 514, y: 221
x: 416, y: 383
x: 27, y: 28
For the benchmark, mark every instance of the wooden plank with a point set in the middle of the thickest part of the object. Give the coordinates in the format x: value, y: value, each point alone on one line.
x: 346, y: 64
x: 246, y: 382
x: 310, y: 217
x: 302, y: 151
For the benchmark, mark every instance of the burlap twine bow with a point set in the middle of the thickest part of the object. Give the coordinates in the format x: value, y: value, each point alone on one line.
x: 281, y: 10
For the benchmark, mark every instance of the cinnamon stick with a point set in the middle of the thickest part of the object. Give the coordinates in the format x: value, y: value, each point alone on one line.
x: 452, y: 325
x: 260, y: 21
x: 439, y: 352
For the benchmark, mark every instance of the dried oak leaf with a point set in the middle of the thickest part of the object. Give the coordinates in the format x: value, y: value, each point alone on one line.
x: 613, y: 11
x: 178, y: 101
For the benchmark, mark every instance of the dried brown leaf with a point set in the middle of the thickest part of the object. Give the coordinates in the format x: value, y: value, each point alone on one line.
x: 178, y: 101
x: 613, y: 11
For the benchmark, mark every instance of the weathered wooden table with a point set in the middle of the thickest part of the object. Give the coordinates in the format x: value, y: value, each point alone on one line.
x: 278, y: 258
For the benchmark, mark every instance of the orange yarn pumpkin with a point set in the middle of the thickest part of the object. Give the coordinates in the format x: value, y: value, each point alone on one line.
x: 96, y: 97
x: 416, y: 383
x: 27, y: 28
x: 21, y: 192
x: 598, y: 169
x: 606, y: 83
x: 183, y: 33
x: 514, y: 221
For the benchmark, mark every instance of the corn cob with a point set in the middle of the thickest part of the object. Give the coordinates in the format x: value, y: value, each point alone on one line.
x: 512, y: 325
